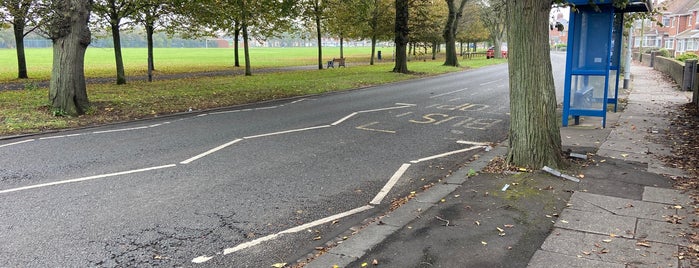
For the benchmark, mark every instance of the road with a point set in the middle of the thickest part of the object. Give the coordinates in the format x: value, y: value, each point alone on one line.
x: 246, y: 186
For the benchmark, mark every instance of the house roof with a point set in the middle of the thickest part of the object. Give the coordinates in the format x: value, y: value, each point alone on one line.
x: 677, y: 7
x: 688, y: 34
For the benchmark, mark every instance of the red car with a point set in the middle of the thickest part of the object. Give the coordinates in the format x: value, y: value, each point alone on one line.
x: 491, y: 52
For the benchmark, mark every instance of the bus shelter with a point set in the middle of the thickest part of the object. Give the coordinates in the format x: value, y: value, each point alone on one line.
x: 593, y: 57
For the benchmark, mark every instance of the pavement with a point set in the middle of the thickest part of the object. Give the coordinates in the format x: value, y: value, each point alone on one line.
x: 623, y: 212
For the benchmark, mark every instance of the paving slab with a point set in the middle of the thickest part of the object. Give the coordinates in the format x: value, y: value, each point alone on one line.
x: 664, y: 232
x: 665, y: 196
x: 596, y: 222
x: 546, y: 259
x: 620, y: 206
x: 611, y: 249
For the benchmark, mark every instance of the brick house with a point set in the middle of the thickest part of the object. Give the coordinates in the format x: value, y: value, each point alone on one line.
x: 679, y: 32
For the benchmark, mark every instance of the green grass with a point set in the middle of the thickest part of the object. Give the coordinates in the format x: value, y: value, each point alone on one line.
x: 99, y: 62
x: 28, y: 110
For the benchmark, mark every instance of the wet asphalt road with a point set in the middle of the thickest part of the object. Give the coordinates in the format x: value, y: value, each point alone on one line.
x: 184, y: 190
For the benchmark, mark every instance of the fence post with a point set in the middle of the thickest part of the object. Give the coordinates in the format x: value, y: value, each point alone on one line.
x: 652, y: 59
x: 690, y: 73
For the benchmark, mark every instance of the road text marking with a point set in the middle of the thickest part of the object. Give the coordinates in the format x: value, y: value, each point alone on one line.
x: 448, y: 93
x: 365, y: 127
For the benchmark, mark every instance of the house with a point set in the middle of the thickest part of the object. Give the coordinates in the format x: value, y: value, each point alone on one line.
x: 679, y: 32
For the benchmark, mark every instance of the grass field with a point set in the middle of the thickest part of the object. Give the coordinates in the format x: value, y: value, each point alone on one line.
x: 29, y: 110
x: 99, y: 62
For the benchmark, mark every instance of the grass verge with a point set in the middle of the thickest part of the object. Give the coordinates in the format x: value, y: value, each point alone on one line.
x: 28, y: 110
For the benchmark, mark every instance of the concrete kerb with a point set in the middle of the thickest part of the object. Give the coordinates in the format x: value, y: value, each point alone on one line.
x: 368, y: 238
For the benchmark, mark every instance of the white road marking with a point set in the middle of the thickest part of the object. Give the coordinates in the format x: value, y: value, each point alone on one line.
x: 343, y: 119
x: 210, y: 152
x: 249, y: 244
x: 365, y: 127
x: 389, y: 185
x: 285, y: 132
x: 445, y: 154
x: 119, y: 130
x: 473, y: 143
x: 15, y: 143
x: 404, y: 114
x: 52, y: 137
x: 406, y: 104
x: 85, y: 179
x: 266, y: 108
x: 448, y: 93
x: 488, y: 83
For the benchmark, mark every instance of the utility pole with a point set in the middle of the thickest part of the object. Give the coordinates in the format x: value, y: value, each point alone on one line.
x: 627, y: 65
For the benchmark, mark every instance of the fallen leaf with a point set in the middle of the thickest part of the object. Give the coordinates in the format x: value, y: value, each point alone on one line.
x: 624, y: 155
x: 564, y: 221
x: 500, y: 229
x: 365, y: 264
x: 643, y: 244
x: 477, y: 223
x: 501, y: 234
x: 677, y: 207
x: 509, y: 226
x: 607, y: 240
x: 586, y: 252
x: 279, y: 265
x: 317, y: 238
x: 603, y: 251
x: 484, y: 243
x: 375, y: 262
x: 320, y: 248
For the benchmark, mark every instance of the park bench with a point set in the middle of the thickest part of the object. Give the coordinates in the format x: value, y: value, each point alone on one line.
x: 340, y: 63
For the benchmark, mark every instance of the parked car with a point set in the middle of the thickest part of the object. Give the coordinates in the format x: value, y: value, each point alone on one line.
x: 491, y: 52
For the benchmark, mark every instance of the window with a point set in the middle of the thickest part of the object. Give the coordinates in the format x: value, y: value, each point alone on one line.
x: 691, y: 45
x: 666, y: 21
x: 680, y: 45
x: 669, y: 43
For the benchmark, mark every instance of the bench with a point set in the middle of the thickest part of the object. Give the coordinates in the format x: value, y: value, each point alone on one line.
x: 340, y: 63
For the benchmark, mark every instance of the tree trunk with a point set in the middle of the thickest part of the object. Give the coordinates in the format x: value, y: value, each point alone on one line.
x: 449, y: 35
x: 434, y: 50
x: 246, y: 49
x: 70, y: 36
x: 116, y: 37
x: 235, y: 45
x: 535, y: 139
x: 342, y: 51
x: 150, y: 28
x: 401, y: 39
x: 18, y: 27
x: 373, y: 48
x: 318, y: 36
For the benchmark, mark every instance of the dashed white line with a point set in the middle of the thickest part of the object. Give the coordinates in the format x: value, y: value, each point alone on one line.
x: 389, y: 185
x: 202, y: 259
x: 343, y: 119
x: 85, y: 178
x: 448, y: 93
x: 488, y: 83
x: 445, y: 154
x: 210, y: 151
x: 285, y: 132
x: 15, y: 143
x: 119, y: 130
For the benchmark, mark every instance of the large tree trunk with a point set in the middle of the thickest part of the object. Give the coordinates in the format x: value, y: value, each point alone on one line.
x: 535, y: 139
x: 150, y: 28
x: 18, y: 27
x: 373, y: 48
x: 449, y: 35
x: 70, y: 36
x: 401, y: 39
x: 116, y: 37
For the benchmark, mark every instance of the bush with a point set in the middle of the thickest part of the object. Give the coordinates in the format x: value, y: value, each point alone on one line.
x: 687, y: 56
x: 663, y: 52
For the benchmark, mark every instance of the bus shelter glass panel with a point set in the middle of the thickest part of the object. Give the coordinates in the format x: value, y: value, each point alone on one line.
x: 587, y: 92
